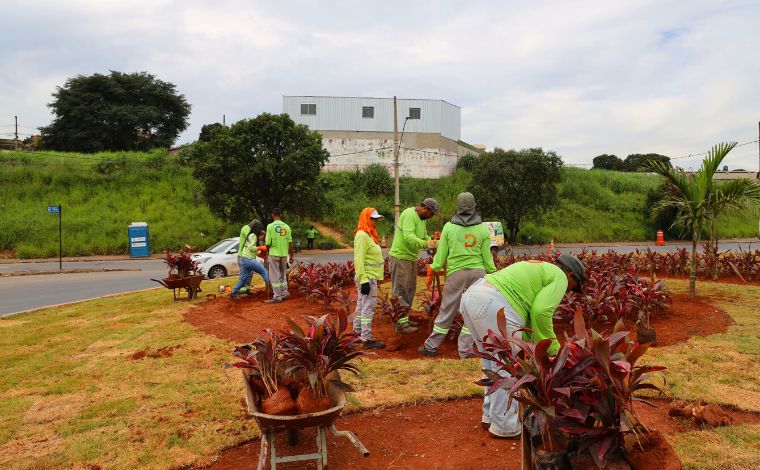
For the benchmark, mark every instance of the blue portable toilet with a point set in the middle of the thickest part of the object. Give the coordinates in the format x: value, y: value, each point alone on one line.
x: 139, y: 242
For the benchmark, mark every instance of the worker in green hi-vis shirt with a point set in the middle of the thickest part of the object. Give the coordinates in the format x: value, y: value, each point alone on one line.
x: 279, y: 239
x: 409, y: 237
x: 311, y: 234
x: 464, y: 249
x: 522, y: 295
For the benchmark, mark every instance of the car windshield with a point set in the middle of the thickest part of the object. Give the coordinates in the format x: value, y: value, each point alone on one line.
x: 220, y: 247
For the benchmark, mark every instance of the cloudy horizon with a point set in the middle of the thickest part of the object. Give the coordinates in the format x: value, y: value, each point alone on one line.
x: 582, y: 78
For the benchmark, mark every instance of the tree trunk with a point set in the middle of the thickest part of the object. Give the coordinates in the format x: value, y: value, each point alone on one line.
x: 714, y: 247
x: 693, y: 271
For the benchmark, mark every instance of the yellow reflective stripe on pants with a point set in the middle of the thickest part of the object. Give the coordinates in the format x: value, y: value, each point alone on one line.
x: 439, y: 330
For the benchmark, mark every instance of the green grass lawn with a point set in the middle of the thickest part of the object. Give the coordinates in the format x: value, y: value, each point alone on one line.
x: 71, y: 394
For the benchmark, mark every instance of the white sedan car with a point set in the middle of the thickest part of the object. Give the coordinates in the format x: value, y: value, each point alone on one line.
x: 219, y: 260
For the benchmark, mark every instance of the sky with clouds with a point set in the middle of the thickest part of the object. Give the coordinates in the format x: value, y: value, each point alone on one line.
x: 579, y: 77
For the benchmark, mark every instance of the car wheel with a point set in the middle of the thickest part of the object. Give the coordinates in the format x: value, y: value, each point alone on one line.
x: 217, y: 272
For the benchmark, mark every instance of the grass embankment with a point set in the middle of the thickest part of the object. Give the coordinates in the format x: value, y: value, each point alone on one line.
x: 102, y: 193
x: 593, y: 206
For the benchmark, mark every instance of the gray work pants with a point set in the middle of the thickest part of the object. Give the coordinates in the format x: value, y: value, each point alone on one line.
x: 365, y: 309
x: 480, y: 304
x: 403, y: 282
x: 278, y: 276
x: 453, y: 289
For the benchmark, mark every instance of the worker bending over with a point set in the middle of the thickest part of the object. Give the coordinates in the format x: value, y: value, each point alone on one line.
x: 527, y: 293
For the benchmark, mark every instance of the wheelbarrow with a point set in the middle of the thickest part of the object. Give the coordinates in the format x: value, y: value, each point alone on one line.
x: 191, y: 284
x: 270, y: 424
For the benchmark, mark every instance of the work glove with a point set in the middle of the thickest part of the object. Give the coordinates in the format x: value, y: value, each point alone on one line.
x: 365, y: 288
x: 432, y: 244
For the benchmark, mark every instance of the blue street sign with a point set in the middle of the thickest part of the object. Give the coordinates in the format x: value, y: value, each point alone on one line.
x: 55, y: 209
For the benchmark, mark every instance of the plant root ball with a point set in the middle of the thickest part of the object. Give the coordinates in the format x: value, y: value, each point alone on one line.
x: 308, y: 403
x: 279, y: 403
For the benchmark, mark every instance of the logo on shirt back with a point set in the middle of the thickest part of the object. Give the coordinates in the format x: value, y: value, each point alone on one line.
x: 470, y: 244
x: 281, y: 231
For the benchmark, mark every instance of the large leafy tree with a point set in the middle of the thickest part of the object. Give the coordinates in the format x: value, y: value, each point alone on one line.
x: 516, y: 185
x: 637, y: 161
x: 698, y: 200
x: 119, y: 111
x: 259, y: 164
x: 608, y: 162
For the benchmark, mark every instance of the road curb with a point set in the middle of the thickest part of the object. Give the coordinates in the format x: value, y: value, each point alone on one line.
x: 65, y: 271
x: 73, y: 302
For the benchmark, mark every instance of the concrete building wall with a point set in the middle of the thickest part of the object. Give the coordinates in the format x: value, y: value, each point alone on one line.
x: 420, y: 155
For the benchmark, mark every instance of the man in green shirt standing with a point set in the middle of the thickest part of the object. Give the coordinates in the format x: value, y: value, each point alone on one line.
x: 409, y: 237
x: 311, y: 234
x: 465, y: 250
x: 523, y: 295
x: 279, y: 239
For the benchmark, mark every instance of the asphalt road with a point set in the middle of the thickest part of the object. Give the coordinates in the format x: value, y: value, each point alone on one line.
x: 22, y: 293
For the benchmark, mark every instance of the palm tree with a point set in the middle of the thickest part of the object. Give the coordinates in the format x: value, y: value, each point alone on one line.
x: 691, y: 196
x: 736, y: 193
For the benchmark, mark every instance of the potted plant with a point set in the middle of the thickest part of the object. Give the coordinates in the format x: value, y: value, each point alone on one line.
x: 183, y: 270
x: 290, y: 372
x: 320, y: 352
x: 650, y: 297
x: 579, y: 400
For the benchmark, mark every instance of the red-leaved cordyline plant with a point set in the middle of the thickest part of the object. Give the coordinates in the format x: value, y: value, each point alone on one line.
x: 323, y: 348
x: 262, y: 359
x: 182, y: 264
x: 392, y: 308
x: 586, y: 390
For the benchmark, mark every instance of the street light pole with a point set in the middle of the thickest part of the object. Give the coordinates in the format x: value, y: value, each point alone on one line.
x: 396, y: 202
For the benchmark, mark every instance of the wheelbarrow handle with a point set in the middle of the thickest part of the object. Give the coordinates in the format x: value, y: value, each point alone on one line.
x: 351, y: 437
x: 160, y: 282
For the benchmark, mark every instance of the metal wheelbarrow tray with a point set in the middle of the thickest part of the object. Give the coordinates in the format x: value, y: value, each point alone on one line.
x: 270, y: 424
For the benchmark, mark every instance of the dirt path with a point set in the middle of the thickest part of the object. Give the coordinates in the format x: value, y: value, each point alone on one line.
x: 325, y: 230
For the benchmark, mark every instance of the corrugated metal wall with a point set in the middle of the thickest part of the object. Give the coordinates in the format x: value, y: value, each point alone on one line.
x: 345, y: 114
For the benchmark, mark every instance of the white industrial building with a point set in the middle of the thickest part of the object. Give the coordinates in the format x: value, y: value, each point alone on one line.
x: 359, y: 131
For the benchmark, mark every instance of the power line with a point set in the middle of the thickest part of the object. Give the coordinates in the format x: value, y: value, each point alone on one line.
x: 692, y: 155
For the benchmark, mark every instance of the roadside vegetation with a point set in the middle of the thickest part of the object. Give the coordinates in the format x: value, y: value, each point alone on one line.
x: 102, y: 193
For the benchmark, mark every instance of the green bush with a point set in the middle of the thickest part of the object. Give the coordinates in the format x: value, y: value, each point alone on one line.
x: 467, y: 162
x: 376, y: 181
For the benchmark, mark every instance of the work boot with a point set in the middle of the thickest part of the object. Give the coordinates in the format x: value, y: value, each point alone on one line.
x: 405, y: 328
x: 274, y: 301
x: 413, y: 323
x: 373, y: 344
x: 427, y: 352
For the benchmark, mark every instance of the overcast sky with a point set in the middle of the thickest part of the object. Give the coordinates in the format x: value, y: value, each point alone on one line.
x: 579, y: 77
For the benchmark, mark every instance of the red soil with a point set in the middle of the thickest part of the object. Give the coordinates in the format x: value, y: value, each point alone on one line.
x: 441, y: 435
x: 242, y: 320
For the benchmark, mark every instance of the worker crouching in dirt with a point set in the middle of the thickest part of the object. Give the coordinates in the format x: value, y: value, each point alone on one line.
x: 526, y: 294
x: 409, y: 237
x: 279, y: 239
x: 247, y: 256
x: 465, y: 250
x: 369, y: 265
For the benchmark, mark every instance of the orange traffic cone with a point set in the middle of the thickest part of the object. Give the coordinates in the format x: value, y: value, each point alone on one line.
x: 660, y: 239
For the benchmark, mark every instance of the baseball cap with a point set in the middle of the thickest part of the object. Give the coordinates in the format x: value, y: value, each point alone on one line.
x: 575, y: 266
x: 431, y: 204
x: 375, y: 215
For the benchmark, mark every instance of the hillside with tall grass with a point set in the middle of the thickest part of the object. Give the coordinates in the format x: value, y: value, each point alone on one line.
x: 102, y: 193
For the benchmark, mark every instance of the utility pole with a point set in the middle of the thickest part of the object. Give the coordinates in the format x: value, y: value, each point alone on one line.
x: 15, y: 140
x: 758, y: 150
x: 224, y: 120
x: 396, y: 202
